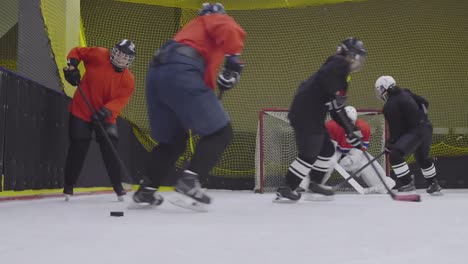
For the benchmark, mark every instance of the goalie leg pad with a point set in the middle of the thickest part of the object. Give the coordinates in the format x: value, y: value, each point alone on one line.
x: 372, y: 179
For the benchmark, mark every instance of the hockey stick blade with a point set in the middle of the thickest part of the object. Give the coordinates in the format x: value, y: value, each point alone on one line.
x: 406, y: 197
x: 395, y: 197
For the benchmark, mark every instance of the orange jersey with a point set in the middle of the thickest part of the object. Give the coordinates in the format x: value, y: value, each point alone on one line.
x: 338, y: 134
x: 103, y: 86
x: 213, y: 36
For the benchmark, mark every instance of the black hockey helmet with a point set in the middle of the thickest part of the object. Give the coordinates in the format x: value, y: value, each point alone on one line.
x: 208, y: 9
x: 354, y: 50
x: 123, y: 54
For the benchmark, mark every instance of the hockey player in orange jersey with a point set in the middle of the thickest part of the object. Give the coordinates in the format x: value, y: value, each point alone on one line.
x: 180, y: 96
x: 108, y: 84
x: 352, y: 159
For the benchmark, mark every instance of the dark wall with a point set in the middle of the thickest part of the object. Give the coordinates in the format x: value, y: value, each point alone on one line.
x: 34, y: 137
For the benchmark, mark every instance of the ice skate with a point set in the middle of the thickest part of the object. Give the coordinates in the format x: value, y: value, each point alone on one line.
x: 300, y: 189
x: 286, y: 195
x: 68, y: 192
x: 146, y: 197
x: 408, y: 188
x: 120, y: 192
x: 319, y: 192
x: 189, y: 194
x: 434, y: 188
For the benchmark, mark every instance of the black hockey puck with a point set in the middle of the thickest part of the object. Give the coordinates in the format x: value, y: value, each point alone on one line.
x: 116, y: 213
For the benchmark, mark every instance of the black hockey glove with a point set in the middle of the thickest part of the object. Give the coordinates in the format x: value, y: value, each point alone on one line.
x: 354, y: 139
x: 73, y: 77
x: 230, y: 75
x: 101, y: 115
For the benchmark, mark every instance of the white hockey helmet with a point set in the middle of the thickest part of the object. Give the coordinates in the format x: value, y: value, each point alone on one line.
x: 383, y: 85
x: 351, y: 113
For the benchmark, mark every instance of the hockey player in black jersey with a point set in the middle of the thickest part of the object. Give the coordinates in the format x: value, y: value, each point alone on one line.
x: 323, y: 92
x: 410, y: 132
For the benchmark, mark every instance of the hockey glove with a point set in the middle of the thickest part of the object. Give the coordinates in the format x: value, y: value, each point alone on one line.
x: 101, y: 115
x: 354, y: 139
x: 230, y: 75
x: 72, y: 76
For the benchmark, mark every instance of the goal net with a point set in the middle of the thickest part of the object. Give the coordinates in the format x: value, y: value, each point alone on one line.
x: 276, y: 147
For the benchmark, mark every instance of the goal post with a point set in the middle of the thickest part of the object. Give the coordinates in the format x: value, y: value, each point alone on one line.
x: 276, y: 148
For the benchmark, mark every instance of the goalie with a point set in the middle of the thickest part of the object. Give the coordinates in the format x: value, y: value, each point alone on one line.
x: 352, y: 159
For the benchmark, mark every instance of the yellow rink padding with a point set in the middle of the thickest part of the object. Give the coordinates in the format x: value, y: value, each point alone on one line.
x: 35, y: 194
x: 240, y: 4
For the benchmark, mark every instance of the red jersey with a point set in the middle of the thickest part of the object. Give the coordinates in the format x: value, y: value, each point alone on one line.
x: 213, y: 36
x: 103, y: 86
x: 338, y: 134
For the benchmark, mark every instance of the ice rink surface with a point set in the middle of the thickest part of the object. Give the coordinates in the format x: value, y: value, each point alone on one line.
x: 240, y: 228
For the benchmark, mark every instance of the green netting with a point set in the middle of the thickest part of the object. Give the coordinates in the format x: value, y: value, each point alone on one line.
x: 422, y: 43
x: 9, y: 34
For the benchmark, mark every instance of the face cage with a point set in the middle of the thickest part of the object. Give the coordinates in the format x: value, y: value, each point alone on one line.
x: 357, y: 62
x: 120, y: 59
x: 381, y: 93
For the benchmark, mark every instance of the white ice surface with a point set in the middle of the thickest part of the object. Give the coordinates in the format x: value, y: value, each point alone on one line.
x: 240, y: 228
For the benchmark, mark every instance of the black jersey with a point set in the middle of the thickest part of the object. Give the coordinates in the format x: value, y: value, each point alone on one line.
x: 308, y: 109
x: 404, y: 112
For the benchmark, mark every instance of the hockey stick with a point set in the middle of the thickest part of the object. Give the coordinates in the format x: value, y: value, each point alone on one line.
x: 354, y: 174
x: 103, y: 131
x: 349, y: 179
x: 396, y: 197
x: 220, y: 95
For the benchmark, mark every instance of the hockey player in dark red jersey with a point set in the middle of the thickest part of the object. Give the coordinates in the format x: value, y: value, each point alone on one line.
x: 108, y: 84
x: 410, y: 133
x: 324, y: 91
x: 180, y: 96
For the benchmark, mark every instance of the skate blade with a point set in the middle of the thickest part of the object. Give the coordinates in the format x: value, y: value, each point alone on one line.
x: 120, y: 198
x: 436, y: 194
x: 283, y: 200
x: 316, y: 197
x: 67, y: 197
x: 187, y: 202
x: 140, y: 206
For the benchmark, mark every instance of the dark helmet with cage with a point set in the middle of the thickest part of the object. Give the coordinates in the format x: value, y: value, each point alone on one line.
x: 354, y: 51
x: 208, y: 9
x: 123, y: 54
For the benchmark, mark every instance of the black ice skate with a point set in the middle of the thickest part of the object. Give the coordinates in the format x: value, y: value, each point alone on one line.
x: 286, y: 195
x: 189, y: 194
x: 434, y: 188
x: 300, y: 189
x: 408, y: 187
x: 68, y: 192
x: 147, y: 197
x: 319, y: 192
